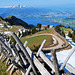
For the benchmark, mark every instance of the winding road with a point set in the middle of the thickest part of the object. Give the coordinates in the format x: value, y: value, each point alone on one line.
x: 60, y: 41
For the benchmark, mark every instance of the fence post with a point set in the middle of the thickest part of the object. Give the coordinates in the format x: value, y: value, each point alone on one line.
x: 43, y: 43
x: 55, y: 62
x: 68, y: 57
x: 24, y: 51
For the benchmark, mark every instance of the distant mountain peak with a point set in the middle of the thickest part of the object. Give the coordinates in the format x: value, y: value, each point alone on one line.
x: 18, y: 6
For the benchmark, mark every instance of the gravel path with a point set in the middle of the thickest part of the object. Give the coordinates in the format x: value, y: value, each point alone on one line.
x: 60, y: 41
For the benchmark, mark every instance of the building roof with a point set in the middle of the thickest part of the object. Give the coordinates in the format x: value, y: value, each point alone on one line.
x: 44, y: 25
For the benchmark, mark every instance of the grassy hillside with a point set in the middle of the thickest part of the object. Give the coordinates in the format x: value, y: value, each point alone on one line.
x: 3, y: 68
x: 13, y: 29
x: 37, y: 40
x: 12, y: 20
x: 66, y: 29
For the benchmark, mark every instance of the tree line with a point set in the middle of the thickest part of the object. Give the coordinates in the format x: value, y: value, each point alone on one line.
x: 61, y: 32
x: 72, y: 35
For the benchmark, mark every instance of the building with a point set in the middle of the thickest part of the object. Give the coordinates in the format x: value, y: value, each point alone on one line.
x: 37, y: 29
x: 44, y: 27
x: 51, y: 26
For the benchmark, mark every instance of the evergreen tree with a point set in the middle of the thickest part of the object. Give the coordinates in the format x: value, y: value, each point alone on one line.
x: 73, y: 33
x: 62, y: 33
x: 69, y: 34
x: 34, y: 30
x: 29, y: 32
x: 68, y: 26
x: 57, y: 28
x: 39, y: 25
x: 73, y: 38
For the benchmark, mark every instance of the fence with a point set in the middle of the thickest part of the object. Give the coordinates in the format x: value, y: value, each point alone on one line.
x: 23, y: 58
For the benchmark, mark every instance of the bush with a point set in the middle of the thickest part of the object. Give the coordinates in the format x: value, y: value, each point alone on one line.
x: 35, y: 49
x: 12, y: 40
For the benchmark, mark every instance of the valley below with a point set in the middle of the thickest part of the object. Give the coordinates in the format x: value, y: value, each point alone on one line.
x: 48, y: 16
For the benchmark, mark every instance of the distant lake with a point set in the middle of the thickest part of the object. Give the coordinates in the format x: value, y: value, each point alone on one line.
x: 35, y: 21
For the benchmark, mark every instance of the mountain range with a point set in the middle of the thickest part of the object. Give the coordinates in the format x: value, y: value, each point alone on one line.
x: 25, y: 11
x: 21, y: 11
x: 18, y: 6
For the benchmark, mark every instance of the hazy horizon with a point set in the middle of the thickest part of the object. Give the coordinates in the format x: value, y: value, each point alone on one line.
x: 38, y: 3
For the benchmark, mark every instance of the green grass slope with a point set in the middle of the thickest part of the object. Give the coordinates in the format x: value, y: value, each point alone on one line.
x: 37, y: 40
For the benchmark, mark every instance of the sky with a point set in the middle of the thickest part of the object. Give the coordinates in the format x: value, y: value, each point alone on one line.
x: 36, y: 3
